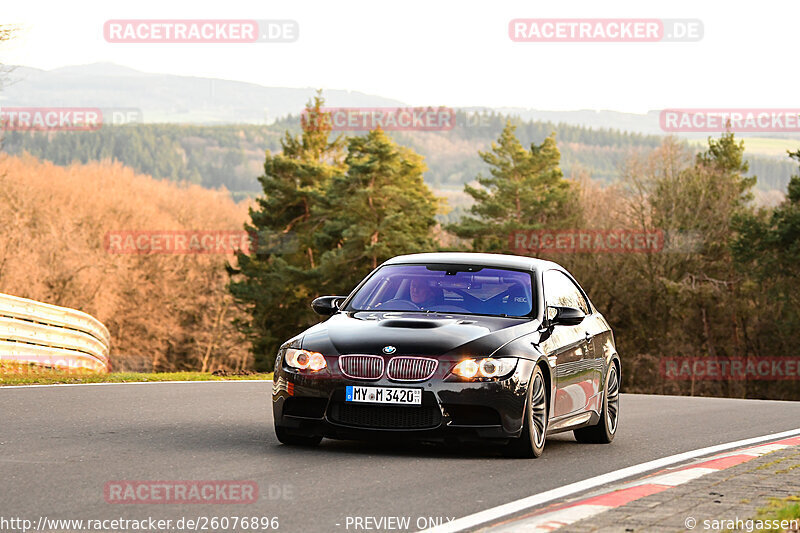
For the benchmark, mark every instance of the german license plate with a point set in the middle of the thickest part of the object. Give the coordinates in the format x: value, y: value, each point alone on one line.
x: 393, y: 395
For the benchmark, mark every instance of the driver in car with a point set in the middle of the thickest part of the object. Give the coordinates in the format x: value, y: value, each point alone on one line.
x: 423, y: 295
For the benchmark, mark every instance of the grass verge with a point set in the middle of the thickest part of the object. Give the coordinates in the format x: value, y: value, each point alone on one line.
x: 778, y: 510
x: 15, y: 374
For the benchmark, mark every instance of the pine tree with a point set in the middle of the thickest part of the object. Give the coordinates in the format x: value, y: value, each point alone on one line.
x: 275, y: 282
x: 325, y: 221
x: 379, y: 209
x: 767, y: 245
x: 526, y: 191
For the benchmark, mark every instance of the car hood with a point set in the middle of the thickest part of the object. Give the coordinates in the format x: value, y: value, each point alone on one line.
x: 413, y: 333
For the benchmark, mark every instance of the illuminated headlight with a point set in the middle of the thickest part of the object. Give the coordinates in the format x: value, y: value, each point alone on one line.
x: 485, y: 368
x: 304, y: 360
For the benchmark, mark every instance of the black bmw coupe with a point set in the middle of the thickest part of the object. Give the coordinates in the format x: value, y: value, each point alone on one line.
x: 460, y: 346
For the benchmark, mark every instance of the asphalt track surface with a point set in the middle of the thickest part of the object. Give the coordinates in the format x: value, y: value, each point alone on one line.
x: 59, y: 446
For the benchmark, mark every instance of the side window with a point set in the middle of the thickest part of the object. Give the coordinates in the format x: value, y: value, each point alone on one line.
x: 555, y: 292
x: 560, y: 290
x: 583, y: 305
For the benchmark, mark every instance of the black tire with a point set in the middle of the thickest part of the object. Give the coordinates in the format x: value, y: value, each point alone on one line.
x: 295, y: 440
x: 603, y: 432
x: 534, y: 428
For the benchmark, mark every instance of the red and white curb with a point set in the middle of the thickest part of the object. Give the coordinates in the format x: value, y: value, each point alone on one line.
x: 714, y: 456
x: 562, y: 515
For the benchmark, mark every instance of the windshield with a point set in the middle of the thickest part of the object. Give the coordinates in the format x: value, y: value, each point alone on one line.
x: 446, y: 288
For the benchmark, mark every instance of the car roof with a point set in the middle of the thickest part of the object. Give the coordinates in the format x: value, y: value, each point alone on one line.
x: 516, y: 262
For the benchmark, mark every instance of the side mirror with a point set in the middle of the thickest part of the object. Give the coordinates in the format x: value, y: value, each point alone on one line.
x: 327, y: 305
x: 564, y: 316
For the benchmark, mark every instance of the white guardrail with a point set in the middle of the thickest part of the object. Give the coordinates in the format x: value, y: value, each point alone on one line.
x: 51, y: 336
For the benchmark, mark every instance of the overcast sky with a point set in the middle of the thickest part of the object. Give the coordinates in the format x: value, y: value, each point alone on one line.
x: 453, y: 53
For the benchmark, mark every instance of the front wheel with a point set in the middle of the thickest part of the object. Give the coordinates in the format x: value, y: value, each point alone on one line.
x: 534, y: 428
x: 295, y: 440
x: 603, y: 432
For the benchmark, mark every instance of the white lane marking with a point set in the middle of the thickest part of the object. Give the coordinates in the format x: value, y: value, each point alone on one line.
x: 553, y: 520
x: 756, y: 451
x: 764, y: 450
x: 135, y: 383
x: 510, y: 508
x: 672, y: 479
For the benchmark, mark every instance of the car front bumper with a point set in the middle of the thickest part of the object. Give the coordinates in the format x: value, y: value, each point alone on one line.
x: 314, y: 405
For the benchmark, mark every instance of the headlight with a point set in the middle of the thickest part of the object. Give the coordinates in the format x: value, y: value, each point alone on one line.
x: 485, y: 368
x: 305, y: 360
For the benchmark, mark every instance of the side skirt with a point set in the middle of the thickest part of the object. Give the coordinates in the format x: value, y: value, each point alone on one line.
x: 573, y: 421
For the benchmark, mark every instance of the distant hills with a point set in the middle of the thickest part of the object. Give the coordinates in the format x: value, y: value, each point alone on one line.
x: 187, y: 99
x: 167, y: 97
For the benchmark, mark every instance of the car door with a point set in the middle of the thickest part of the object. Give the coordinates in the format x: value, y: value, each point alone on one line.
x: 570, y: 346
x: 594, y: 330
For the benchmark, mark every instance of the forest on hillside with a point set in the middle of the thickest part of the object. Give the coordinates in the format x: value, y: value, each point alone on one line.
x: 232, y: 156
